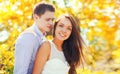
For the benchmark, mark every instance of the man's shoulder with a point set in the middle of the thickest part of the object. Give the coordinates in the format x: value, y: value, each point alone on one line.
x: 29, y: 30
x: 27, y: 34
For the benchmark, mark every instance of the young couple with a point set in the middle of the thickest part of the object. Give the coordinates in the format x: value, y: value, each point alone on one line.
x: 35, y: 55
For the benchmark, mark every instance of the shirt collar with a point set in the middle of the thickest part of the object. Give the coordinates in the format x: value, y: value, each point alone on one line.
x: 38, y: 31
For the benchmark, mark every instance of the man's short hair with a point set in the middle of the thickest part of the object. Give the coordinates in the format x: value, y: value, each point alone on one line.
x: 42, y: 7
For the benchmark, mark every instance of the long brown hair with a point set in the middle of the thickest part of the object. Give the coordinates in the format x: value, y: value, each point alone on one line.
x: 73, y: 46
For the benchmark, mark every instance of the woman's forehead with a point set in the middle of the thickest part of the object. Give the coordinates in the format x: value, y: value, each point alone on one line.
x: 65, y: 21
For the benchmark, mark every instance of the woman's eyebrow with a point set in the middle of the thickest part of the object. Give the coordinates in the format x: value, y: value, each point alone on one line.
x: 64, y: 24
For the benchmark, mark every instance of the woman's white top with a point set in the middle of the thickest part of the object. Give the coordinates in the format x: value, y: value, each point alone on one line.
x: 56, y: 63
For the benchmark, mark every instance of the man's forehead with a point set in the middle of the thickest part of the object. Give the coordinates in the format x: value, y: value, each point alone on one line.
x: 49, y: 14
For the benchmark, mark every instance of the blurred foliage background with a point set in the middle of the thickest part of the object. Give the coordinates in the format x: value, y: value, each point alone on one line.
x: 99, y: 22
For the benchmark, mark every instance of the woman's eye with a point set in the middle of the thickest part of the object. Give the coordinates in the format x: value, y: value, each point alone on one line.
x: 60, y: 25
x: 69, y: 29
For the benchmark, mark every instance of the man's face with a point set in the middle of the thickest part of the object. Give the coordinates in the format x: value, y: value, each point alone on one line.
x: 45, y: 21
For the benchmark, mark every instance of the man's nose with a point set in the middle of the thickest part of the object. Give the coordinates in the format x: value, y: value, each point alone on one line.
x: 51, y: 22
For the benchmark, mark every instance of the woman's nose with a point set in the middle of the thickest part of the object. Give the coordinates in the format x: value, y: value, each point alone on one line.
x: 64, y: 30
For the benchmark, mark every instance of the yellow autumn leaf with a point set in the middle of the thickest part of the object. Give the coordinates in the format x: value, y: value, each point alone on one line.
x: 116, y: 54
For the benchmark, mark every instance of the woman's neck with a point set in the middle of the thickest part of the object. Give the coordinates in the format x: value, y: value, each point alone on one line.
x: 58, y: 44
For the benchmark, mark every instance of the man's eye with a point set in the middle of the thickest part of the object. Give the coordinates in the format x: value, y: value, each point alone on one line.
x: 47, y: 19
x: 53, y: 19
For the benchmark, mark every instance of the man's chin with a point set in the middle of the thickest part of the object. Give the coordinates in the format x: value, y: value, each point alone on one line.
x: 49, y: 32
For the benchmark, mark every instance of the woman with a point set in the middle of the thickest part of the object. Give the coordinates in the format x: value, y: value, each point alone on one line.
x: 64, y: 53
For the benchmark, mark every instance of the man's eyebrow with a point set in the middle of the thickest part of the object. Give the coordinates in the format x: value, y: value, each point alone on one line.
x: 50, y: 18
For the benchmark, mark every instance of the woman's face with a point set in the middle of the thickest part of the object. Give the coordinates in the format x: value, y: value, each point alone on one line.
x: 63, y: 29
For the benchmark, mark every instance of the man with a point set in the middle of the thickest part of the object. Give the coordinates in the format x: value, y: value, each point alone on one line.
x: 30, y: 40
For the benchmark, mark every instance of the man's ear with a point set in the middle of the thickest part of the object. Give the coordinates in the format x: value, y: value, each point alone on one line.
x: 35, y: 16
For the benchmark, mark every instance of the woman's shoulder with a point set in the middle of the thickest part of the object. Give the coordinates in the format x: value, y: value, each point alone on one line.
x: 46, y: 44
x: 45, y: 48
